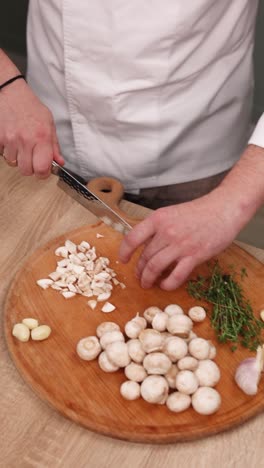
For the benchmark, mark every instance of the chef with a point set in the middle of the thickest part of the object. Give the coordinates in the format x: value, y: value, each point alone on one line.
x: 155, y: 94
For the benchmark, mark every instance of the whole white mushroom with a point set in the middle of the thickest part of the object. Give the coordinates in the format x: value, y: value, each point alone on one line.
x: 117, y: 353
x: 207, y: 373
x: 186, y: 382
x: 88, y: 348
x: 206, y: 400
x: 130, y: 390
x: 157, y: 363
x: 178, y: 402
x: 175, y: 348
x: 199, y: 348
x: 197, y: 313
x: 135, y: 372
x: 154, y: 389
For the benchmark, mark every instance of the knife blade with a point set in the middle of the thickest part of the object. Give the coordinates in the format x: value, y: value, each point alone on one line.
x: 73, y: 187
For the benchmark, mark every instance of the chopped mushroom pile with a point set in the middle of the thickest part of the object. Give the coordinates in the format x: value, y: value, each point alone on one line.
x: 164, y: 361
x: 81, y: 271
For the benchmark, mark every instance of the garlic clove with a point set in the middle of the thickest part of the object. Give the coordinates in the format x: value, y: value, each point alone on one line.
x: 248, y: 373
x: 108, y: 307
x: 92, y: 304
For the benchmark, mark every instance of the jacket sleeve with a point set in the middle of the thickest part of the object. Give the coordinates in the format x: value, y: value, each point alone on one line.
x: 257, y: 137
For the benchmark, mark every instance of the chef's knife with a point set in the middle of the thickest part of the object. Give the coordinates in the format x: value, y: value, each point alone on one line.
x: 89, y: 200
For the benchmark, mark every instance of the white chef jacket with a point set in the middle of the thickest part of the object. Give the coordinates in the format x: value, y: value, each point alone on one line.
x: 150, y: 92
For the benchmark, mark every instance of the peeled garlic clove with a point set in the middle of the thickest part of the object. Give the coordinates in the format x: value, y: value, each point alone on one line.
x: 21, y: 332
x: 92, y: 304
x: 248, y: 373
x: 103, y: 296
x: 108, y: 307
x: 44, y: 283
x: 179, y: 325
x: 154, y: 389
x: 157, y: 363
x: 197, y: 314
x: 70, y: 246
x: 40, y: 333
x: 130, y: 390
x: 105, y: 327
x: 117, y: 353
x: 61, y: 252
x: 30, y: 323
x: 68, y: 294
x: 88, y: 348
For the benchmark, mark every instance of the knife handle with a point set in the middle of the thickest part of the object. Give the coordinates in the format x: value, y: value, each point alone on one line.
x: 111, y: 191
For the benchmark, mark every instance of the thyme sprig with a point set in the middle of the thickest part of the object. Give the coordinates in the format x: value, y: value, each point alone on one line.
x: 232, y: 316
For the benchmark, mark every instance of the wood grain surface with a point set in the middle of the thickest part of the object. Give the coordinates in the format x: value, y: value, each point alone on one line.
x: 80, y: 390
x: 33, y: 434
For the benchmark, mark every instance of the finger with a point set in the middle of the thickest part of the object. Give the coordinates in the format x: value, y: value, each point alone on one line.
x: 57, y: 156
x: 179, y: 274
x: 156, y: 265
x: 152, y: 247
x: 24, y: 160
x: 139, y: 234
x: 10, y: 154
x: 42, y: 159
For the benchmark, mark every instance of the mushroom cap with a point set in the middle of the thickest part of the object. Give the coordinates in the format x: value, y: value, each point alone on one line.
x: 186, y: 382
x: 206, y: 400
x: 207, y: 373
x: 117, y: 353
x: 151, y: 340
x: 130, y: 390
x: 178, y: 402
x: 154, y: 389
x: 157, y: 363
x: 199, y: 348
x: 175, y: 348
x: 88, y: 348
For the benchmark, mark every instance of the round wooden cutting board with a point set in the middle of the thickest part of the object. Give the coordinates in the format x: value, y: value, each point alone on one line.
x: 80, y: 390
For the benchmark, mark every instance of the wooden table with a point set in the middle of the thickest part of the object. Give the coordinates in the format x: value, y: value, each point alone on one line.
x: 32, y: 434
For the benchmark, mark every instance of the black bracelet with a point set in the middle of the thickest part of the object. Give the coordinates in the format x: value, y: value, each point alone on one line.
x: 18, y: 77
